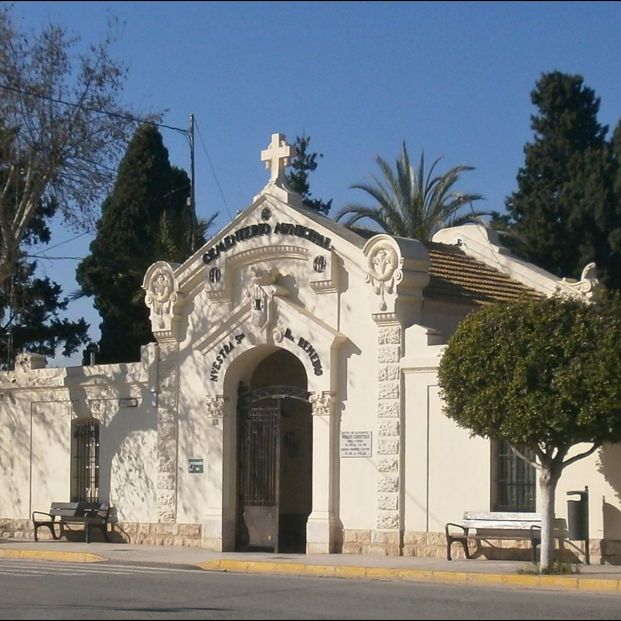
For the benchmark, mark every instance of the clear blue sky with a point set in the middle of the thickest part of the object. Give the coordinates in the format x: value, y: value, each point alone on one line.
x: 450, y: 78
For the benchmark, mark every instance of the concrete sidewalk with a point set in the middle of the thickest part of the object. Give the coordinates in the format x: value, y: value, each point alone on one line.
x: 594, y: 578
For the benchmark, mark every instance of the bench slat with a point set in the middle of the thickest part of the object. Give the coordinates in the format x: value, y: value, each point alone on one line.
x: 484, y: 524
x: 502, y: 515
x: 503, y: 533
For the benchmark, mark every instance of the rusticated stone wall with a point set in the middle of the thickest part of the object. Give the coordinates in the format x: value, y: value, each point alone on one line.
x: 161, y: 534
x: 428, y: 545
x: 167, y: 432
x: 433, y: 545
x: 121, y: 532
x: 387, y: 538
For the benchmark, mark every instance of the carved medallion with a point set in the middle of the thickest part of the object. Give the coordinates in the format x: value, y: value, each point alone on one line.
x: 161, y: 296
x: 383, y: 273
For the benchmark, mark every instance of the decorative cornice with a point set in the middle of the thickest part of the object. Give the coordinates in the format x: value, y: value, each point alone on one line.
x: 265, y: 252
x: 323, y: 286
x: 386, y: 319
x: 223, y: 328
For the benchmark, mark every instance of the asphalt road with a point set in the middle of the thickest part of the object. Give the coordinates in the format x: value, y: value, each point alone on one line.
x: 49, y: 590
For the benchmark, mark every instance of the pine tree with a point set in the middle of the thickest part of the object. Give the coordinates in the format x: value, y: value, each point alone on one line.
x: 564, y: 214
x: 146, y: 218
x: 30, y: 305
x: 302, y: 164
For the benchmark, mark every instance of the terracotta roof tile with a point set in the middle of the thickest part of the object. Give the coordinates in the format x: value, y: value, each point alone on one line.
x: 455, y: 275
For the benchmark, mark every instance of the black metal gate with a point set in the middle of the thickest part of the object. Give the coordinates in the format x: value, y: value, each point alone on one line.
x: 260, y: 457
x: 259, y: 465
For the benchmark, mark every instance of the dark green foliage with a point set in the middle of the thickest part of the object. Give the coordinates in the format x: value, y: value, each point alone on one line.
x: 542, y: 374
x: 30, y: 305
x: 616, y: 152
x: 564, y: 214
x: 302, y: 164
x: 411, y: 202
x: 146, y: 218
x: 29, y: 312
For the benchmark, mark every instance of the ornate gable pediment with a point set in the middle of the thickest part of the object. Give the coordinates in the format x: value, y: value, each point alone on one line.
x: 276, y: 236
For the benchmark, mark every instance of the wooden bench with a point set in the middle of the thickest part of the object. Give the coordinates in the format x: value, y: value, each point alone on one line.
x: 89, y: 514
x: 494, y: 525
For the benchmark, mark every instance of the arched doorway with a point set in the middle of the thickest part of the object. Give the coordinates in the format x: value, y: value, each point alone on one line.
x: 274, y: 474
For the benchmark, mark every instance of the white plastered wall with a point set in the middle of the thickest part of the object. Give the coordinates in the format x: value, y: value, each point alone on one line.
x: 50, y: 454
x: 601, y: 472
x: 446, y: 471
x: 357, y: 373
x: 37, y: 408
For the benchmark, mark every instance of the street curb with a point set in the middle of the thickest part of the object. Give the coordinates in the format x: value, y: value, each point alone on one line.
x: 572, y: 583
x: 48, y: 555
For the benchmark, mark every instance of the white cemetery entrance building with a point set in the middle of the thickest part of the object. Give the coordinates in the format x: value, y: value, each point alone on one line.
x: 289, y: 401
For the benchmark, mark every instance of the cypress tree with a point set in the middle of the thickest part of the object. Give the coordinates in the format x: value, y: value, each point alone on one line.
x: 143, y: 220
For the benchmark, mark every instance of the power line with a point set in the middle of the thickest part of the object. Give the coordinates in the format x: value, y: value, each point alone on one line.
x: 42, y: 256
x: 67, y: 241
x: 126, y: 117
x: 213, y: 170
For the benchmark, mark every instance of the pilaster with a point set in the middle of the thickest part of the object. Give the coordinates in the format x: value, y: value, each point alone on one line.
x: 167, y: 440
x: 387, y: 539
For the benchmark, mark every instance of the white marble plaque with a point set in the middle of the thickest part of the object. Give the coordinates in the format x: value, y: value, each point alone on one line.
x: 356, y: 443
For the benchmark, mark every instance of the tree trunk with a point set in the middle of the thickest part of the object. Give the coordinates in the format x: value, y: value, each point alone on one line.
x: 547, y: 483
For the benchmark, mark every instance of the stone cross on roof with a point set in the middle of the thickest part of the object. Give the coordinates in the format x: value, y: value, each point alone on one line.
x: 276, y: 157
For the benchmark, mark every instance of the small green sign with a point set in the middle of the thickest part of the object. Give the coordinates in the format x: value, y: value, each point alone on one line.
x: 195, y: 466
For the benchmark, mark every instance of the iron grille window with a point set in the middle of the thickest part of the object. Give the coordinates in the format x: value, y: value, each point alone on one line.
x: 85, y: 462
x: 513, y: 480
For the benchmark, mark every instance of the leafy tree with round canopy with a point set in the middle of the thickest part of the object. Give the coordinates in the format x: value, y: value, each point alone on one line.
x: 539, y: 374
x: 411, y: 202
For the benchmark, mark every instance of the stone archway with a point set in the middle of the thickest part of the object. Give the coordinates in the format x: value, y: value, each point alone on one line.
x: 274, y: 447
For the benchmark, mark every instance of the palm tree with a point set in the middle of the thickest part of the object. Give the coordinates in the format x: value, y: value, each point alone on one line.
x: 411, y: 203
x: 174, y: 239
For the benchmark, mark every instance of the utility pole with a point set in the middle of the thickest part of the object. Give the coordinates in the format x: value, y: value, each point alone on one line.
x: 192, y: 187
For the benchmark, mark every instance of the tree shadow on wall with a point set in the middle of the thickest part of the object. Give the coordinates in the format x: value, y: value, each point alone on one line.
x: 609, y: 465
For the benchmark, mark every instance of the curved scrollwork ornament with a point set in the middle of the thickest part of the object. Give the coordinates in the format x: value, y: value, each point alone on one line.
x: 161, y: 296
x: 383, y: 273
x: 588, y: 283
